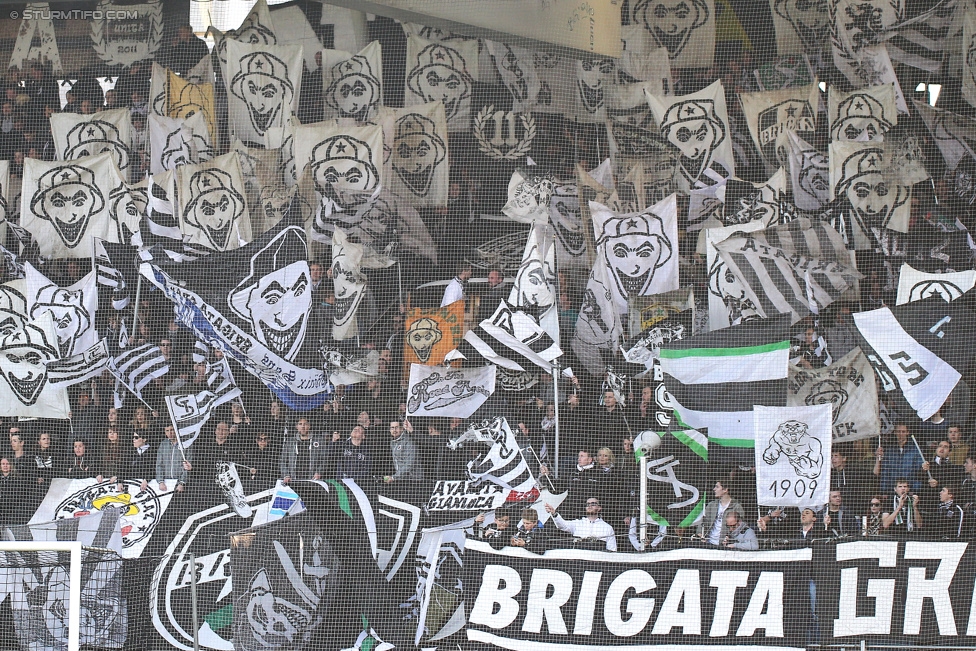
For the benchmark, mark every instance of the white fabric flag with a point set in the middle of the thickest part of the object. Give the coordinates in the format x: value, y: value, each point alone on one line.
x: 344, y: 164
x: 793, y: 446
x: 641, y: 61
x: 178, y: 141
x: 969, y: 55
x: 800, y: 29
x: 885, y: 334
x: 6, y: 209
x: 707, y: 158
x: 349, y: 285
x: 864, y: 115
x: 534, y: 290
x: 158, y: 96
x: 78, y: 136
x: 847, y: 385
x: 257, y: 28
x: 529, y: 193
x: 24, y: 353
x: 442, y: 72
x: 640, y: 250
x: 65, y: 204
x: 728, y: 303
x: 353, y: 83
x: 263, y: 84
x: 442, y: 391
x: 915, y: 285
x: 73, y: 308
x: 415, y: 148
x: 212, y: 203
x: 599, y: 326
x: 771, y: 114
x: 809, y: 174
x: 292, y: 28
x: 41, y: 29
x: 687, y: 29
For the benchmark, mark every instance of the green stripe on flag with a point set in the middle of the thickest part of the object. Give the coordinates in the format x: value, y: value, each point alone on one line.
x: 694, y: 515
x: 656, y: 518
x: 342, y: 496
x: 732, y: 443
x: 724, y: 352
x: 692, y: 442
x: 221, y: 618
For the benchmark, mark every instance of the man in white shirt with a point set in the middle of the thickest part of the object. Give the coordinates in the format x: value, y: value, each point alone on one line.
x: 455, y: 289
x: 590, y: 526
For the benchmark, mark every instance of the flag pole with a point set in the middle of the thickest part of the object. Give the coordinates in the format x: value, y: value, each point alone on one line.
x: 642, y: 537
x: 555, y: 402
x: 921, y: 455
x: 135, y: 310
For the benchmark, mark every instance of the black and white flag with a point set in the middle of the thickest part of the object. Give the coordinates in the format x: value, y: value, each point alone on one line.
x: 687, y: 30
x: 798, y: 268
x: 349, y: 285
x: 793, y: 447
x: 920, y: 41
x: 442, y: 391
x: 429, y: 63
x: 707, y: 158
x: 36, y: 40
x: 72, y: 307
x: 79, y: 367
x: 529, y: 194
x: 770, y: 115
x: 263, y: 85
x: 969, y: 56
x: 25, y: 351
x: 646, y: 346
x: 915, y: 285
x: 848, y: 385
x: 137, y: 367
x: 800, y: 28
x: 178, y: 141
x: 190, y: 412
x: 213, y: 204
x: 920, y: 347
x: 954, y: 135
x: 80, y: 136
x: 415, y: 144
x: 256, y: 311
x: 343, y: 164
x: 65, y: 204
x: 599, y: 325
x: 353, y: 83
x: 809, y: 174
x: 864, y: 115
x: 347, y: 365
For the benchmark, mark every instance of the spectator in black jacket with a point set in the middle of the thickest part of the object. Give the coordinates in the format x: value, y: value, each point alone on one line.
x: 262, y: 459
x: 81, y: 466
x: 352, y: 457
x: 141, y: 462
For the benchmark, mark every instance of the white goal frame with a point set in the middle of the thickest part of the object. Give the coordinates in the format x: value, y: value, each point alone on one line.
x: 74, y: 577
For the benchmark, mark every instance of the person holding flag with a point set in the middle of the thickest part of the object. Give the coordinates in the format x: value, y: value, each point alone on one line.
x: 172, y: 461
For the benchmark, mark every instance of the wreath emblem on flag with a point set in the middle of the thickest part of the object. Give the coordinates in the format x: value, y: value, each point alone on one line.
x: 489, y: 145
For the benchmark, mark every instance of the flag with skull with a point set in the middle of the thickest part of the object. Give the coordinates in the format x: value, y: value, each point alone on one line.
x: 771, y: 114
x: 864, y: 115
x: 212, y: 204
x: 444, y: 72
x: 697, y: 127
x: 793, y: 454
x: 353, y: 83
x: 78, y: 136
x: 263, y: 84
x: 64, y: 204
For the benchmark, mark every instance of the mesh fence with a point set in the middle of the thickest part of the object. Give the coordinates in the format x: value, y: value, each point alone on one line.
x: 626, y: 323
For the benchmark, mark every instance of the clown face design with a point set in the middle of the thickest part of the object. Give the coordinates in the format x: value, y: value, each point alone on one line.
x: 354, y: 89
x: 342, y: 167
x: 72, y: 319
x: 810, y: 20
x: 860, y: 117
x: 68, y: 198
x: 192, y: 100
x: 13, y: 310
x: 564, y: 212
x: 276, y: 297
x: 535, y: 283
x: 724, y: 284
x: 417, y: 151
x: 696, y: 131
x: 127, y: 205
x: 671, y: 22
x: 441, y: 74
x: 634, y: 248
x: 214, y: 206
x: 590, y: 75
x: 422, y: 336
x: 273, y: 620
x: 349, y: 287
x: 24, y: 354
x: 95, y: 137
x: 262, y: 84
x: 513, y: 76
x: 814, y: 174
x: 873, y: 198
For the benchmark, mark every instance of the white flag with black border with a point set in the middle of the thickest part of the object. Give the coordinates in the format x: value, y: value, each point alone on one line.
x: 793, y: 454
x: 443, y: 391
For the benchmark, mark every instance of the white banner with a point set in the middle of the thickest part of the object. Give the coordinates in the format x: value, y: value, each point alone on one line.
x: 914, y: 285
x: 449, y: 392
x: 793, y: 454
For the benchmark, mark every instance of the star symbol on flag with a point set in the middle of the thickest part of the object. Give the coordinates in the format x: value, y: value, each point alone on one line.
x: 205, y: 182
x: 65, y: 175
x: 631, y: 223
x: 859, y: 105
x: 341, y: 147
x: 690, y: 110
x: 872, y: 160
x: 791, y: 111
x: 259, y: 64
x: 349, y: 65
x: 91, y: 132
x: 440, y: 55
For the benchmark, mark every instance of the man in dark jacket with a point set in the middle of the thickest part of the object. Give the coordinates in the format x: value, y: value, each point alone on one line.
x: 352, y: 457
x: 305, y: 456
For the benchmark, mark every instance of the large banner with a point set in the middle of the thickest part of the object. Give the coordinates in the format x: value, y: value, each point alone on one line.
x: 685, y: 598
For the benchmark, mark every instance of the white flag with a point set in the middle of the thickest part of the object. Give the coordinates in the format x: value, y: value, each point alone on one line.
x: 79, y: 136
x: 415, y: 156
x: 25, y: 389
x: 442, y: 391
x: 442, y: 72
x: 915, y: 285
x: 349, y: 284
x: 41, y: 29
x: 178, y: 141
x: 793, y: 447
x: 213, y: 207
x: 353, y: 83
x: 864, y: 115
x: 263, y: 84
x: 72, y: 307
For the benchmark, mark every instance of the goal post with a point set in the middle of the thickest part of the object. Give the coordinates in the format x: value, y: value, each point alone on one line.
x: 74, y: 577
